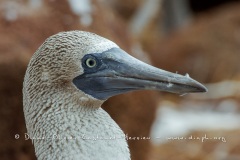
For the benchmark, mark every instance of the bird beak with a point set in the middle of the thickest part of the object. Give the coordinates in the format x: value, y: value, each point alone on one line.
x: 120, y: 73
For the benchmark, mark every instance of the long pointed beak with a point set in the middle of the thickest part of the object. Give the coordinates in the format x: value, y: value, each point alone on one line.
x: 123, y: 73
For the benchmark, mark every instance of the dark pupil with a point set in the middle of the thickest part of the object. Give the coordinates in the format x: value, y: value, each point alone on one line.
x: 91, y: 62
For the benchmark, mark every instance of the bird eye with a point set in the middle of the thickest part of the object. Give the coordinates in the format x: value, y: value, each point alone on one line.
x: 90, y: 62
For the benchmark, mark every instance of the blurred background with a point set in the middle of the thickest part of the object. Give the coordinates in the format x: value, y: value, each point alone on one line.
x: 198, y: 37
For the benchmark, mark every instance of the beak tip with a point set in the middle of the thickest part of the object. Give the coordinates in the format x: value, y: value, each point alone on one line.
x: 206, y: 90
x: 197, y: 86
x: 202, y: 88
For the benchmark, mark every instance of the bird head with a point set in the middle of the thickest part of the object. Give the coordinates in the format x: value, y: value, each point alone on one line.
x: 96, y: 68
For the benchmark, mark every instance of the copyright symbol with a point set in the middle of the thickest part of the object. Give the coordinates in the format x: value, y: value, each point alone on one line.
x: 17, y: 136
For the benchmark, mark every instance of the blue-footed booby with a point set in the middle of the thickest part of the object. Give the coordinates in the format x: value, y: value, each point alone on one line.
x: 67, y: 80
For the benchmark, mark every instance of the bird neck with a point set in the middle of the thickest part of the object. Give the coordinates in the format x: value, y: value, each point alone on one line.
x: 63, y: 129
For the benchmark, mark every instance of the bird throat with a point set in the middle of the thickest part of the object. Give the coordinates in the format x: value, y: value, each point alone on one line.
x: 71, y: 131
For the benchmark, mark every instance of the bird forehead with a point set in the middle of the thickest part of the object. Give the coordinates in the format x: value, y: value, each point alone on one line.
x: 80, y: 42
x: 97, y: 48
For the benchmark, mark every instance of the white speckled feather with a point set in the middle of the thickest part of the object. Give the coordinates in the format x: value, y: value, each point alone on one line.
x: 57, y: 111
